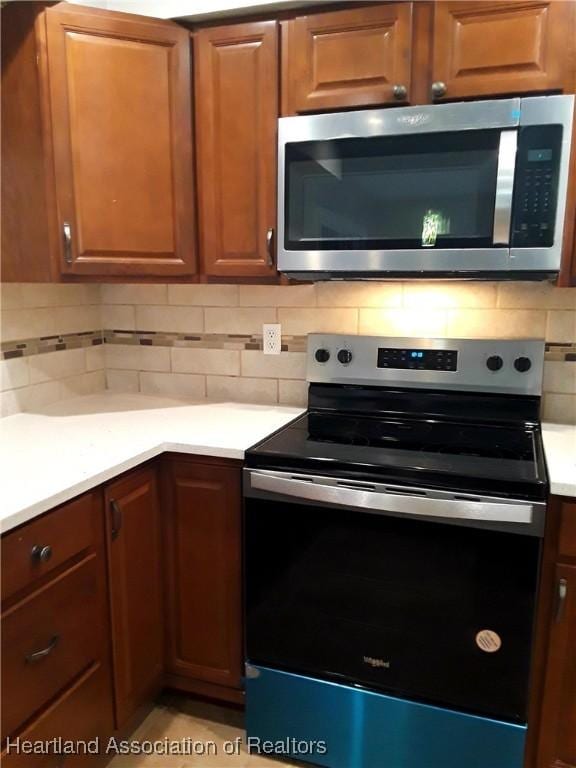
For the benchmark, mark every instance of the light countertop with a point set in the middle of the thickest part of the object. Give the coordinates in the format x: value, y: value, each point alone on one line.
x: 49, y: 457
x: 560, y: 451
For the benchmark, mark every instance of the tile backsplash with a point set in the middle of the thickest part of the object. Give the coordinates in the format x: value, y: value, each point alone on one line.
x: 205, y: 340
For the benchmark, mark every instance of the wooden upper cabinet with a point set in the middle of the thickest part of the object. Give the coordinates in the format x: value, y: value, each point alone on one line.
x: 557, y: 746
x: 135, y: 577
x: 120, y: 106
x: 352, y: 58
x: 236, y: 111
x: 504, y: 47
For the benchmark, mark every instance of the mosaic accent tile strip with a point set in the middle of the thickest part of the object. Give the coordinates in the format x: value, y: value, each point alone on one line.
x: 43, y: 344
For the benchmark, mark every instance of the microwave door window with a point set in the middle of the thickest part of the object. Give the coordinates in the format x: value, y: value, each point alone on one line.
x: 420, y: 191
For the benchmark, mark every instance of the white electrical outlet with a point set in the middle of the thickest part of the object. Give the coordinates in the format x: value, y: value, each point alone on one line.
x: 272, y: 338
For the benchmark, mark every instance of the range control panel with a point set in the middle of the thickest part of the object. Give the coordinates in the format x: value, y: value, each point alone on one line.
x: 477, y: 365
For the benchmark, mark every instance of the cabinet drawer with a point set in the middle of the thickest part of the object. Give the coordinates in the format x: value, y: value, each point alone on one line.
x: 39, y: 547
x: 567, y: 542
x: 82, y: 713
x: 48, y: 639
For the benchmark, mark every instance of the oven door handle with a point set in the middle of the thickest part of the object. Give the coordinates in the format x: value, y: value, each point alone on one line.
x: 421, y: 506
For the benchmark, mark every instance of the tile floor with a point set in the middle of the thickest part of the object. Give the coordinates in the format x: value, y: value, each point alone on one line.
x: 179, y: 717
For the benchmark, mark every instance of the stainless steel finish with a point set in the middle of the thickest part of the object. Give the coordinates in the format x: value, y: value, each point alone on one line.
x: 269, y: 248
x: 41, y: 554
x: 67, y: 235
x: 438, y: 89
x: 505, y: 186
x: 397, y: 500
x: 463, y: 116
x: 250, y: 672
x: 561, y: 598
x: 31, y: 658
x: 471, y: 375
x: 400, y: 92
x: 116, y: 518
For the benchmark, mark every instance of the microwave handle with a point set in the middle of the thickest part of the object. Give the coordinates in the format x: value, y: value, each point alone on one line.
x: 504, y: 187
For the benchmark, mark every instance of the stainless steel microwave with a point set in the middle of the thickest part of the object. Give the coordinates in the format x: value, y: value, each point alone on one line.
x: 468, y: 190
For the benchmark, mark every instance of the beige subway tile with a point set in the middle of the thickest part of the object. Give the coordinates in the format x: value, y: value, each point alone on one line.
x: 95, y: 358
x: 83, y: 384
x: 76, y: 319
x: 337, y: 294
x: 14, y: 373
x: 27, y: 323
x: 242, y: 390
x: 37, y: 396
x: 203, y: 295
x: 561, y: 409
x: 56, y: 365
x: 292, y: 392
x: 197, y: 360
x: 277, y: 295
x: 286, y: 365
x: 449, y: 295
x: 170, y: 319
x: 136, y: 357
x: 134, y: 294
x: 561, y: 326
x: 11, y: 296
x: 403, y: 322
x: 535, y: 296
x: 239, y: 320
x: 122, y: 381
x: 497, y: 323
x: 9, y: 403
x: 304, y: 321
x: 560, y: 376
x: 59, y: 294
x: 173, y: 384
x: 118, y: 317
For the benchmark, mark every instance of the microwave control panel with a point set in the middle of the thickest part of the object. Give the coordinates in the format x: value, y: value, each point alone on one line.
x: 536, y: 186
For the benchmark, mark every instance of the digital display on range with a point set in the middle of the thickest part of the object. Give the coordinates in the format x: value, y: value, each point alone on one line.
x: 418, y: 359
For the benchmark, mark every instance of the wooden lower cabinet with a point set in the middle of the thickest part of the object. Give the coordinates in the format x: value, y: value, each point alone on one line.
x: 202, y: 521
x: 133, y: 528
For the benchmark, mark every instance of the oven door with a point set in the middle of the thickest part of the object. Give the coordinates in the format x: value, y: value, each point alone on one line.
x: 434, y: 608
x: 417, y: 189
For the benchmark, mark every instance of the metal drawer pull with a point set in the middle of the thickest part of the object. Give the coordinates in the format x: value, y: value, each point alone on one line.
x: 269, y: 250
x: 400, y: 92
x: 116, y: 518
x: 38, y: 655
x: 439, y: 89
x: 41, y: 554
x: 67, y: 235
x: 561, y: 602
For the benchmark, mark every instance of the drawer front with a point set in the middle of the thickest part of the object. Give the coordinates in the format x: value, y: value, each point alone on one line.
x: 39, y: 547
x: 81, y: 714
x: 48, y: 639
x: 567, y: 543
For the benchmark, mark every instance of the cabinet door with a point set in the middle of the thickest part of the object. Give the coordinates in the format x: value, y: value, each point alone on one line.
x: 352, y: 58
x: 236, y: 115
x: 122, y: 137
x: 133, y: 522
x: 500, y: 47
x: 558, y: 721
x: 203, y: 556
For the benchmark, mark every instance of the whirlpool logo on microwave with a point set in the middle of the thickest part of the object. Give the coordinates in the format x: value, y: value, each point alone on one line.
x: 376, y: 663
x: 418, y: 118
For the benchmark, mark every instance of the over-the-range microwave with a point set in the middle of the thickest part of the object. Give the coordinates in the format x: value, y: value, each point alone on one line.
x: 468, y: 190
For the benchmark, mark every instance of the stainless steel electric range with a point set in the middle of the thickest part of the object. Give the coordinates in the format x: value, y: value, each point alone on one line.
x: 392, y: 547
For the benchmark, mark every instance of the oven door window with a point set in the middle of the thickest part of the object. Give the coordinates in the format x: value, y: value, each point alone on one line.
x: 433, y: 612
x: 433, y: 190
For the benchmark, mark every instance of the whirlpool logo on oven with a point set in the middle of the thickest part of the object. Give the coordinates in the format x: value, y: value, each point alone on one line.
x: 376, y: 663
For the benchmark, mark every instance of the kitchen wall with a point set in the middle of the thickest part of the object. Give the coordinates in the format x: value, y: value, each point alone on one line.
x: 205, y: 340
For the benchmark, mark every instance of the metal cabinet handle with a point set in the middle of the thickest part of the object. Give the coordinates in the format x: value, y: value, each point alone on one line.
x: 439, y: 89
x: 116, y: 518
x: 269, y: 248
x: 38, y: 655
x: 41, y: 554
x: 400, y: 92
x: 561, y: 598
x: 67, y: 234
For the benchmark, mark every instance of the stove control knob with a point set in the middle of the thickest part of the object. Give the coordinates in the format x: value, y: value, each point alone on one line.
x: 322, y: 355
x: 522, y: 364
x: 345, y: 356
x: 494, y: 363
